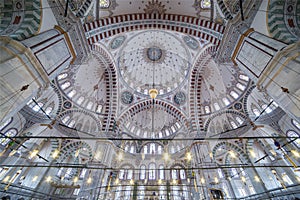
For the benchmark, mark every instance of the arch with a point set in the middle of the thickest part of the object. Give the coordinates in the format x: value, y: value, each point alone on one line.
x: 229, y: 146
x: 201, y: 28
x: 69, y: 150
x: 147, y: 104
x: 195, y: 80
x: 208, y: 121
x: 112, y: 87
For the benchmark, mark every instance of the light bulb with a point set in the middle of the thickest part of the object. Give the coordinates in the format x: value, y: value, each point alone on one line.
x: 216, y: 180
x: 252, y: 153
x: 75, y: 179
x: 33, y: 153
x: 159, y: 181
x: 34, y: 178
x: 296, y: 153
x: 6, y: 179
x: 189, y: 156
x: 232, y: 154
x: 131, y: 181
x: 89, y: 181
x: 174, y: 181
x: 48, y: 179
x: 202, y: 180
x: 243, y: 179
x: 55, y: 153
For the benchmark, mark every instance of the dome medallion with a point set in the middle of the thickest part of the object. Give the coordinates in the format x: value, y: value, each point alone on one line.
x: 154, y: 53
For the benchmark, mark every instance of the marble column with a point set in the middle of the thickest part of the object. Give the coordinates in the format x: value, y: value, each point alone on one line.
x: 28, y: 66
x: 274, y: 66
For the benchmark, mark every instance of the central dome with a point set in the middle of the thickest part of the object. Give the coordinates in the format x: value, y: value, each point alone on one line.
x: 156, y: 58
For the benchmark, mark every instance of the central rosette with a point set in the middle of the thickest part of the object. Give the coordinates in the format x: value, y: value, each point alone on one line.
x: 154, y: 53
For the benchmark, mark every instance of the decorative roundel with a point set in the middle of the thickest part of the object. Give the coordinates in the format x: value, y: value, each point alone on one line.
x: 117, y: 42
x: 154, y: 53
x: 127, y: 97
x: 238, y: 106
x: 179, y: 98
x: 191, y: 42
x: 67, y: 104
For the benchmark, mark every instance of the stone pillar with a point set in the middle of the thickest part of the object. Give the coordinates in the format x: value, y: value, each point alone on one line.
x: 27, y: 66
x: 274, y: 66
x: 258, y: 186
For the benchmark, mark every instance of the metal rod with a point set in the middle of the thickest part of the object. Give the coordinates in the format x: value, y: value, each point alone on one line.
x: 87, y: 166
x: 146, y: 139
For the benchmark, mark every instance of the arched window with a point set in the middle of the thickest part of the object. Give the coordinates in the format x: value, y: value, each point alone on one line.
x: 268, y: 109
x: 62, y: 76
x: 256, y: 112
x: 99, y: 108
x: 132, y: 149
x: 126, y: 148
x: 83, y: 172
x: 234, y: 94
x: 296, y: 124
x: 160, y: 134
x: 182, y: 174
x: 216, y: 105
x: 66, y: 119
x: 48, y: 110
x: 239, y: 120
x: 226, y: 101
x: 241, y: 86
x: 6, y: 123
x: 167, y: 132
x: 174, y: 174
x: 68, y: 173
x: 152, y: 148
x: 244, y: 77
x: 292, y: 133
x: 234, y: 172
x: 80, y: 100
x: 145, y: 149
x: 207, y: 110
x: 220, y: 173
x: 9, y: 133
x: 152, y: 171
x: 38, y: 106
x: 90, y: 105
x: 159, y: 149
x: 233, y: 124
x: 129, y: 174
x: 72, y: 93
x: 161, y: 172
x: 143, y: 172
x: 65, y: 85
x: 60, y: 172
x: 121, y: 174
x: 72, y: 123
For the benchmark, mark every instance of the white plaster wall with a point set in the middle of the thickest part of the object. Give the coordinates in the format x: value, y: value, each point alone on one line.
x: 260, y: 21
x: 48, y: 19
